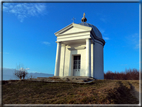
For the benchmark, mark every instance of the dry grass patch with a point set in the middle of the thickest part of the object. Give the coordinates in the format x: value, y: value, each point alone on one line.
x: 97, y: 92
x: 135, y: 83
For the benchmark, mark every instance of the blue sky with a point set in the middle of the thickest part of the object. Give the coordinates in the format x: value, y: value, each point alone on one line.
x: 29, y: 40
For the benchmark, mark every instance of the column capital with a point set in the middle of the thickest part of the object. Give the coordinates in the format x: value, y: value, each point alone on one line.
x: 88, y: 39
x: 58, y: 41
x: 63, y: 44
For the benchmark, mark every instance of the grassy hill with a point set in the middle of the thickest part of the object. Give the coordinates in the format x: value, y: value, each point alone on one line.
x: 97, y: 92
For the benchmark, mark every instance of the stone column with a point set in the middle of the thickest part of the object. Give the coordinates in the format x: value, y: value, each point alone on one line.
x: 64, y: 59
x: 70, y: 63
x: 88, y: 57
x: 57, y: 63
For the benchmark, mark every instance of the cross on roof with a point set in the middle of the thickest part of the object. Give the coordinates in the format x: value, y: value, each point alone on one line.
x: 73, y: 19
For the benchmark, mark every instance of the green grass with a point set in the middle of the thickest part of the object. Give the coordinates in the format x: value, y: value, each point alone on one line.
x: 98, y: 92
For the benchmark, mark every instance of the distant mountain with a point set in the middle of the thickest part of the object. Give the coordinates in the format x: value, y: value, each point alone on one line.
x: 35, y: 75
x: 8, y: 74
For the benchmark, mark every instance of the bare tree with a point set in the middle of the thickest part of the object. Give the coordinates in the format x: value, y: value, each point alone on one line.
x: 24, y: 74
x: 18, y: 73
x: 21, y: 72
x: 30, y: 76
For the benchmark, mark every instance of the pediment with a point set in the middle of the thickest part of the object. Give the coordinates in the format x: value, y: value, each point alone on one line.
x: 72, y: 29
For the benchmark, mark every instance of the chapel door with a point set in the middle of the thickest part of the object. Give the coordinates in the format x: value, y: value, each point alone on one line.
x: 76, y: 66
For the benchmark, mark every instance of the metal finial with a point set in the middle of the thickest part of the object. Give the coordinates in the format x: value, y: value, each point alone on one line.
x: 73, y: 19
x: 84, y: 18
x: 84, y: 15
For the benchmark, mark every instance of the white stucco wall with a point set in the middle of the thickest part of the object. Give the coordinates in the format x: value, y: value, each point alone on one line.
x: 98, y: 58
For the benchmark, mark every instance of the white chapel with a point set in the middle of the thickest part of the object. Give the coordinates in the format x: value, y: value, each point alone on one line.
x: 79, y: 51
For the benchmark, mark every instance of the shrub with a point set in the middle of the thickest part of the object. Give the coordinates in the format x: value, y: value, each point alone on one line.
x: 128, y: 74
x: 20, y: 74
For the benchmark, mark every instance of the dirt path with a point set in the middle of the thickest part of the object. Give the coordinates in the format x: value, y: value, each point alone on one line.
x: 135, y: 91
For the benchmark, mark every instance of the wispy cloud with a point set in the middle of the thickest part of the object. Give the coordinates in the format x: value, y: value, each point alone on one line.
x: 133, y: 39
x: 124, y: 64
x: 103, y: 19
x: 102, y: 30
x: 23, y: 10
x: 46, y: 43
x: 27, y: 68
x: 102, y: 16
x: 106, y: 38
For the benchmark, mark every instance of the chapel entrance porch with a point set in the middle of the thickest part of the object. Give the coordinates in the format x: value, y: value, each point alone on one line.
x: 73, y: 58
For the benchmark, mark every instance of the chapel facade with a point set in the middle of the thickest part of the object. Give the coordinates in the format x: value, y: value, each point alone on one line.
x: 79, y: 51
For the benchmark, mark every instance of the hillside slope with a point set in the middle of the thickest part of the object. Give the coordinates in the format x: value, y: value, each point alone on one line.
x: 97, y: 92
